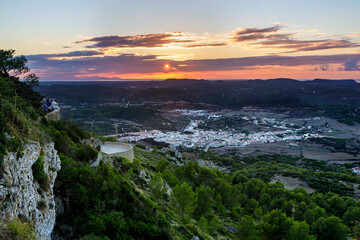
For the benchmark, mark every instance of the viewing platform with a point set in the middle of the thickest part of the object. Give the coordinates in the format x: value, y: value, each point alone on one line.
x: 118, y: 149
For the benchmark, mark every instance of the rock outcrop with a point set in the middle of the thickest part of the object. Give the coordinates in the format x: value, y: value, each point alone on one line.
x: 21, y: 196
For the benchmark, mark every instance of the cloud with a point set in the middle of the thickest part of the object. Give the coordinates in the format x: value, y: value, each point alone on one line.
x: 206, y: 45
x: 271, y: 38
x: 275, y: 37
x: 94, y: 78
x: 308, y: 45
x: 285, y: 61
x: 70, y: 54
x: 255, y: 34
x: 255, y: 37
x: 137, y: 41
x: 49, y: 67
x: 352, y: 64
x: 79, y: 54
x: 246, y: 31
x: 323, y: 68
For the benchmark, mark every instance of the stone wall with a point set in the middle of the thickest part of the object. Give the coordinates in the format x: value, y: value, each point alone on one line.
x: 129, y: 153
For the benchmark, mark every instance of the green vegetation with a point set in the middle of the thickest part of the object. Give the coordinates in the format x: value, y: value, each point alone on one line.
x: 216, y: 201
x: 39, y: 173
x: 17, y: 230
x: 19, y: 105
x: 317, y: 174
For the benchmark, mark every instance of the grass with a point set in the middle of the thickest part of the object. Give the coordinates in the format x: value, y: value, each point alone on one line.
x: 17, y: 230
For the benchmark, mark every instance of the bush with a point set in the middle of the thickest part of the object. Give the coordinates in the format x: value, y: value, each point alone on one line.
x: 17, y: 230
x: 41, y: 205
x: 39, y: 174
x: 85, y: 153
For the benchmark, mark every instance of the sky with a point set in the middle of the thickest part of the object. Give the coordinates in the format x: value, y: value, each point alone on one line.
x: 203, y: 39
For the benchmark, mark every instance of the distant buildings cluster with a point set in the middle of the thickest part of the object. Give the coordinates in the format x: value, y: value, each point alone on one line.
x: 209, y: 138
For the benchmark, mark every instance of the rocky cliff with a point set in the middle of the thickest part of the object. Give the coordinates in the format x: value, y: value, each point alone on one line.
x: 21, y: 196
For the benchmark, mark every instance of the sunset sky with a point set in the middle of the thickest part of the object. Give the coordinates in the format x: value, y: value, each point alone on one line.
x: 210, y: 39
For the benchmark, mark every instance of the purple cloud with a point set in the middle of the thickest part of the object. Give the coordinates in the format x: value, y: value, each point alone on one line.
x: 352, y: 64
x: 146, y: 40
x: 270, y: 38
x: 247, y: 31
x: 308, y: 45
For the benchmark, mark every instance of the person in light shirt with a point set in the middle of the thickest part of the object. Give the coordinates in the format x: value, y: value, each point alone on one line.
x: 54, y: 105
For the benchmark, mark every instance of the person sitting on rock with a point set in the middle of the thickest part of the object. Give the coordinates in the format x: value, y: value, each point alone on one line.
x: 48, y: 103
x: 54, y: 105
x: 45, y: 107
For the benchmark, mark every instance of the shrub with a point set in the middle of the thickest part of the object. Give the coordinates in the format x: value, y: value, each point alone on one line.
x: 18, y: 230
x: 85, y: 153
x: 41, y: 205
x: 39, y: 174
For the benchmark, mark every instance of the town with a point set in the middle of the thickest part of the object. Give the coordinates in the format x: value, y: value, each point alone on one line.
x: 194, y: 137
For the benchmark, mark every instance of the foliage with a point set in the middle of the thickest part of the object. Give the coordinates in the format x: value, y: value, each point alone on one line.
x: 11, y: 67
x: 275, y: 225
x: 247, y: 229
x: 17, y: 230
x: 299, y: 231
x: 39, y: 173
x: 156, y: 186
x: 103, y: 201
x: 184, y: 199
x: 205, y: 200
x: 330, y: 228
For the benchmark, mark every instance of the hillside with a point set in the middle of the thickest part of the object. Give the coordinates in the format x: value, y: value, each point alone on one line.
x: 162, y: 193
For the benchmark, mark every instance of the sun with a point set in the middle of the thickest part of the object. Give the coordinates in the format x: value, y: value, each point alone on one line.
x: 167, y: 66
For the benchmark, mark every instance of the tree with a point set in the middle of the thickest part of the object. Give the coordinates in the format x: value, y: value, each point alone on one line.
x: 184, y: 199
x: 253, y: 188
x: 247, y: 229
x: 351, y: 215
x: 330, y: 228
x: 162, y: 165
x: 11, y: 68
x: 190, y: 169
x: 311, y: 215
x: 206, y: 176
x: 169, y: 177
x: 220, y: 208
x: 205, y: 199
x: 203, y: 225
x: 156, y: 186
x: 275, y: 225
x: 10, y: 65
x: 299, y: 231
x: 225, y: 190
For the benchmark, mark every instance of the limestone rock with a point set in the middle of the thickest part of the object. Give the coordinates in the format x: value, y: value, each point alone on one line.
x: 21, y: 196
